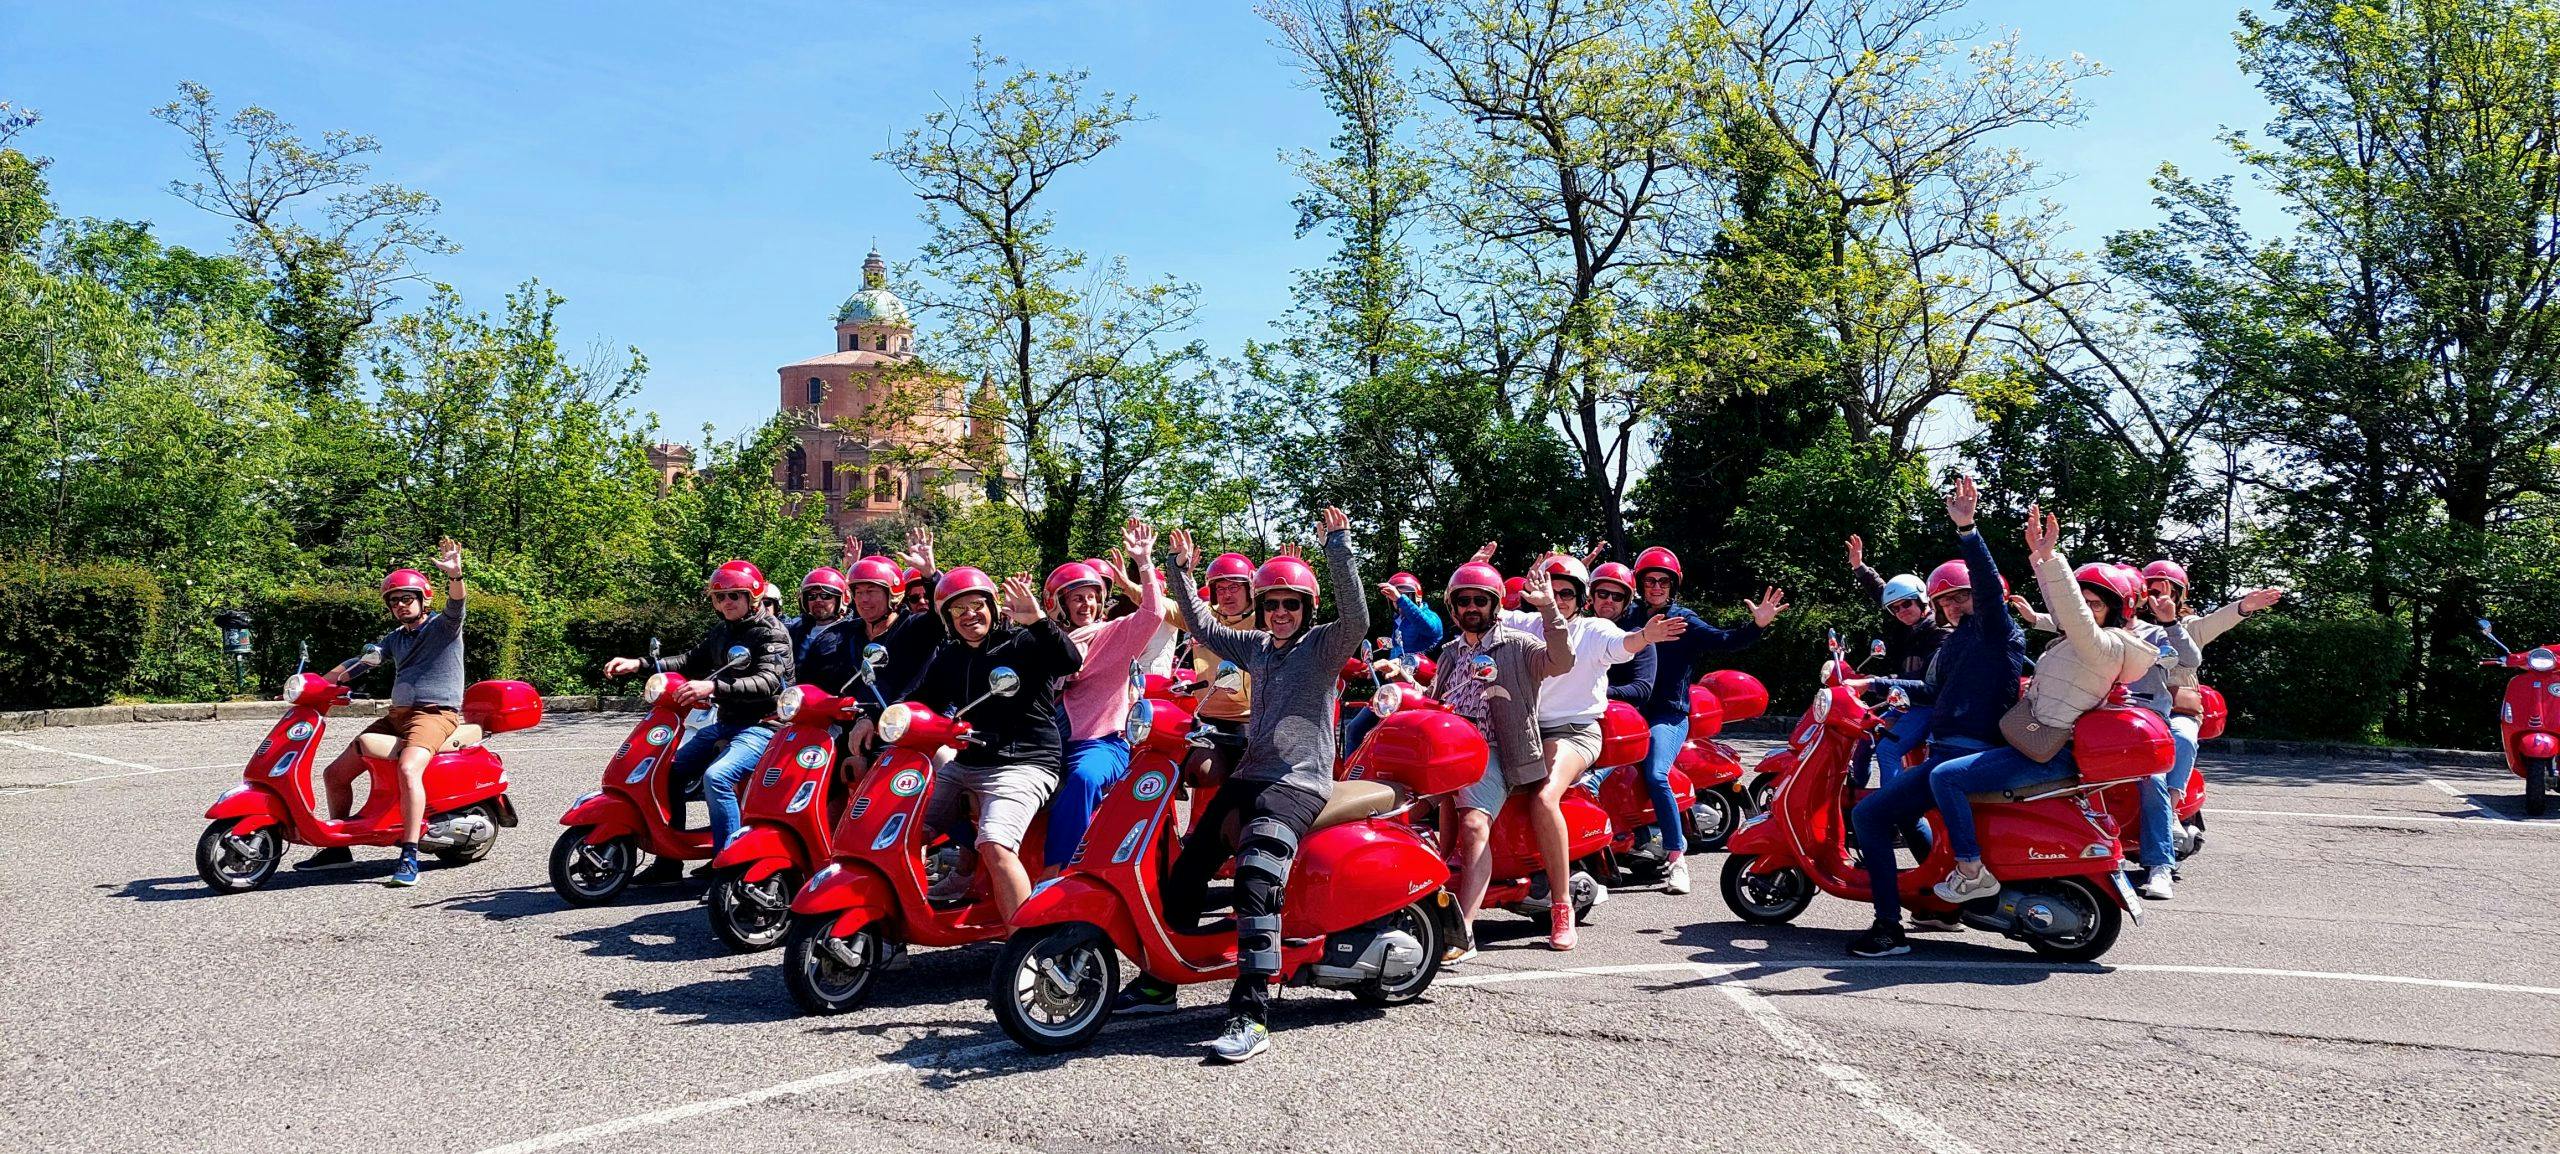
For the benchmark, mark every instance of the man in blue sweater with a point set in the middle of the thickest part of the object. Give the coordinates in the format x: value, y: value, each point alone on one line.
x: 1665, y: 701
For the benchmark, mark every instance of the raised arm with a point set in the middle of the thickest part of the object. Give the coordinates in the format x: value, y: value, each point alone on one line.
x: 1555, y: 659
x: 1351, y: 630
x: 1236, y: 645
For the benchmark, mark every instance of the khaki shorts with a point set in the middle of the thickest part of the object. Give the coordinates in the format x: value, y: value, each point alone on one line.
x: 1583, y: 739
x: 423, y: 725
x: 1009, y: 798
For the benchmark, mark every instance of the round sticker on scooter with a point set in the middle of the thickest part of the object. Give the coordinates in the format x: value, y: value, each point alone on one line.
x: 299, y: 730
x: 908, y: 783
x: 1150, y: 786
x: 813, y: 757
x: 660, y: 734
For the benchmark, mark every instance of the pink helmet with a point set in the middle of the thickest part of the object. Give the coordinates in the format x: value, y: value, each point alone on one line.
x: 741, y: 576
x: 408, y: 581
x: 1109, y: 572
x: 1286, y: 573
x: 2166, y: 570
x: 964, y: 579
x: 907, y: 577
x: 2117, y: 581
x: 1411, y: 584
x: 1511, y: 591
x: 1952, y: 577
x: 1478, y: 576
x: 1063, y: 578
x: 1565, y: 566
x: 1658, y: 557
x: 825, y: 578
x: 1229, y: 566
x: 1615, y: 574
x: 878, y: 571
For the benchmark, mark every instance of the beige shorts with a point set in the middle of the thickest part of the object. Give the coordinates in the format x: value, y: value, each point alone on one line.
x: 1009, y: 798
x: 1583, y: 739
x: 426, y: 725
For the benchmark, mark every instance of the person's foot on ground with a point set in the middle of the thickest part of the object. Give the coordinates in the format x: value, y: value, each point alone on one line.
x: 1243, y: 1039
x: 1675, y: 878
x: 405, y: 873
x: 1462, y: 946
x: 1145, y: 995
x: 1560, y: 926
x: 1882, y: 940
x: 2157, y: 887
x: 659, y: 872
x: 328, y: 859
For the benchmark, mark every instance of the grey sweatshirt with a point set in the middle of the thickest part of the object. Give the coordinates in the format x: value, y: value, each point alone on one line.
x: 1291, y: 737
x: 426, y: 661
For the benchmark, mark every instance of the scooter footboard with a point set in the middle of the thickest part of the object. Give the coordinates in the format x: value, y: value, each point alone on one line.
x: 846, y: 886
x: 1077, y: 898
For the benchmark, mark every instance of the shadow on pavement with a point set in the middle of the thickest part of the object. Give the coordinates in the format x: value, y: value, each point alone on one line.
x: 182, y: 887
x: 678, y: 934
x: 1960, y: 959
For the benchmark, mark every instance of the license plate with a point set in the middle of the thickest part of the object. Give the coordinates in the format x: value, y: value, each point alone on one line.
x: 2132, y: 900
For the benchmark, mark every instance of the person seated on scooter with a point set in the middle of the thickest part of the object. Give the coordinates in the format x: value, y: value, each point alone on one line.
x: 1009, y: 766
x: 819, y: 653
x: 2166, y: 578
x: 1219, y: 724
x: 1284, y: 778
x: 1501, y: 699
x: 1096, y: 699
x: 425, y: 651
x: 1156, y: 658
x: 1971, y: 682
x: 2158, y: 841
x: 881, y: 618
x: 723, y: 753
x: 1569, y: 709
x: 1911, y: 636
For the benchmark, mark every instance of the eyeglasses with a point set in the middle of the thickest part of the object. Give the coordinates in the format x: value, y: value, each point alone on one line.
x: 729, y: 595
x: 1607, y: 595
x: 1471, y: 601
x: 401, y: 599
x: 1284, y: 604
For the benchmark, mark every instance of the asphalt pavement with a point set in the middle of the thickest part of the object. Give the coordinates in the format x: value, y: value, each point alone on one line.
x: 2366, y: 956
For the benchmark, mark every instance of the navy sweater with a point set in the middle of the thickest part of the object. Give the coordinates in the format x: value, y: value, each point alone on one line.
x: 1973, y: 679
x: 1675, y: 662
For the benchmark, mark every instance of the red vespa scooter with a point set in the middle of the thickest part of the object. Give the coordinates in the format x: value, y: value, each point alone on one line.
x: 2529, y: 717
x: 1707, y: 774
x: 2063, y: 889
x: 596, y: 857
x: 1367, y: 905
x: 466, y: 786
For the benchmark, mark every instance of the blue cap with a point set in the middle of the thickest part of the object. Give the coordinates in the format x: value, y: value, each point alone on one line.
x: 1903, y: 587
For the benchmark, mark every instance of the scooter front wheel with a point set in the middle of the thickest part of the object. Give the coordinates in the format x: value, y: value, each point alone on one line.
x: 2537, y: 786
x: 1759, y: 792
x: 1766, y: 899
x: 827, y: 974
x: 751, y: 916
x: 1053, y: 986
x: 591, y: 875
x: 237, y: 864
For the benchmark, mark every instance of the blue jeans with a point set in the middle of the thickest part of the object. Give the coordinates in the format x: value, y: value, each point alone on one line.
x: 1094, y: 765
x: 1899, y: 805
x: 1355, y: 729
x: 1991, y: 769
x: 720, y: 771
x: 1668, y: 737
x: 2160, y: 795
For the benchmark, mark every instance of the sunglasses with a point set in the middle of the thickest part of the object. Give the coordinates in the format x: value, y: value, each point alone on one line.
x: 821, y: 595
x: 728, y: 595
x: 1471, y: 601
x: 1284, y: 604
x: 1607, y: 595
x: 401, y: 599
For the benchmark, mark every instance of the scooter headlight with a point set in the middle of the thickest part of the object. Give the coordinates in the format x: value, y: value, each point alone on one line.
x: 894, y: 721
x: 1142, y: 722
x: 1388, y: 699
x: 2542, y: 660
x: 787, y: 706
x: 294, y: 685
x: 1821, y: 705
x: 655, y: 689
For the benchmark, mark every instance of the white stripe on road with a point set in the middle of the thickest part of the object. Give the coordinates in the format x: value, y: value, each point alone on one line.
x: 2501, y: 821
x: 73, y: 753
x: 1848, y: 1079
x: 113, y: 776
x: 2468, y: 800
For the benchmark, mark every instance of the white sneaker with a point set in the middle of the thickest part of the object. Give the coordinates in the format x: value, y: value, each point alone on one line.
x: 1960, y: 889
x: 1676, y: 879
x: 2156, y: 887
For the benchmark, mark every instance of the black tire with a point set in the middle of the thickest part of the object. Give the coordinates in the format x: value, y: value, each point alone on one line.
x: 585, y: 875
x: 1583, y: 890
x: 1423, y: 922
x: 2107, y: 921
x: 1757, y: 793
x: 1773, y: 899
x: 821, y: 981
x: 237, y: 868
x: 2537, y: 787
x: 1713, y: 816
x: 752, y: 918
x: 1024, y: 993
x: 477, y: 852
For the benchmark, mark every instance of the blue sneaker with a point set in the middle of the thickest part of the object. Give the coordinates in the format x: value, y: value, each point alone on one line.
x: 404, y: 874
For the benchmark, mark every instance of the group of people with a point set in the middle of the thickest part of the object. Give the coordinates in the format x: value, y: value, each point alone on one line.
x: 1533, y: 661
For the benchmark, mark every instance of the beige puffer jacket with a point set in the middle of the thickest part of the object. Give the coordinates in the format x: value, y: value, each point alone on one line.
x: 2074, y: 673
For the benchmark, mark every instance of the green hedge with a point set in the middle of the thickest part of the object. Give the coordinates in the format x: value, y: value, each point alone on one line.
x: 596, y: 630
x: 339, y: 623
x: 72, y: 635
x: 2310, y: 678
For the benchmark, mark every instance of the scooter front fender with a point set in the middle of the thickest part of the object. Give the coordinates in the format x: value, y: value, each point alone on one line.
x: 612, y: 815
x: 761, y: 850
x: 257, y: 807
x: 846, y: 886
x: 1759, y: 835
x: 1076, y: 898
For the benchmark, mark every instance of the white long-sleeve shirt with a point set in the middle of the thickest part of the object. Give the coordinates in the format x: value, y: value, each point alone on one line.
x: 1579, y: 695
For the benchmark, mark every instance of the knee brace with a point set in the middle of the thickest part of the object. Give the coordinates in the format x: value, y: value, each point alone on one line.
x: 1262, y: 878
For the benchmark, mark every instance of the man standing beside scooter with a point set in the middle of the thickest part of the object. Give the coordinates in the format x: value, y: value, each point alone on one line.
x: 425, y: 651
x: 1501, y: 700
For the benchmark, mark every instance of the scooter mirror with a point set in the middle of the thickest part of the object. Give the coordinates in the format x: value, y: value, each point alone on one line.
x: 2485, y: 628
x: 736, y: 654
x: 1137, y: 678
x: 1228, y: 678
x: 1481, y: 667
x: 653, y: 651
x: 875, y: 654
x: 1875, y: 648
x: 1003, y: 681
x: 372, y: 656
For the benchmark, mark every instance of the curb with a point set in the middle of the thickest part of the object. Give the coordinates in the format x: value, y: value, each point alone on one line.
x: 153, y: 712
x: 1764, y: 727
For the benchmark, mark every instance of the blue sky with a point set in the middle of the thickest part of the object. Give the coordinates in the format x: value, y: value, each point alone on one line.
x: 697, y: 179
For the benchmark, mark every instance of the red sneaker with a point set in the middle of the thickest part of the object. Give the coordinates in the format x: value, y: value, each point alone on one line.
x: 1560, y: 926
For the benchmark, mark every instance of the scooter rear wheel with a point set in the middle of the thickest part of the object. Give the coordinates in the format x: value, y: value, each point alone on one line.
x: 740, y: 914
x: 1771, y: 899
x: 585, y: 875
x: 237, y: 865
x: 1423, y: 922
x: 827, y: 974
x: 1759, y: 792
x: 1053, y: 986
x: 2102, y: 919
x: 1713, y: 815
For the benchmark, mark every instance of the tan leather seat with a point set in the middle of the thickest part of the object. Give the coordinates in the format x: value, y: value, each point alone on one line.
x: 2021, y: 792
x: 1353, y: 800
x: 384, y: 747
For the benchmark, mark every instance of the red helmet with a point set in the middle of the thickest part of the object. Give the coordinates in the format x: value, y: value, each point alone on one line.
x: 1109, y: 572
x: 964, y: 579
x: 1564, y: 566
x: 2166, y: 570
x: 1411, y: 584
x: 2117, y: 581
x: 1953, y: 577
x: 1478, y: 576
x: 1511, y: 591
x: 408, y: 581
x: 1235, y: 566
x: 1615, y: 574
x: 1286, y: 573
x: 1063, y: 578
x: 825, y: 578
x: 742, y: 576
x: 907, y: 577
x: 1658, y: 557
x: 875, y: 571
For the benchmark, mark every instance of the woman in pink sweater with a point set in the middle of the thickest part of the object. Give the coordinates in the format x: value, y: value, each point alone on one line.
x: 1096, y: 699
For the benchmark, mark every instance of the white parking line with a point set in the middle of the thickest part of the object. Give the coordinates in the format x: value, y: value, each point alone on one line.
x: 1804, y: 1047
x: 112, y: 776
x: 2501, y: 821
x: 29, y: 745
x: 2467, y: 799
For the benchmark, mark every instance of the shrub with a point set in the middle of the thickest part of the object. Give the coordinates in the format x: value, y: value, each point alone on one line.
x: 596, y: 630
x: 72, y: 635
x: 339, y: 623
x: 2314, y: 678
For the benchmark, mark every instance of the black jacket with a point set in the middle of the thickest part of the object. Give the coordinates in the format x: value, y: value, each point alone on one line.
x: 1025, y: 729
x: 745, y: 694
x: 911, y: 639
x: 824, y: 655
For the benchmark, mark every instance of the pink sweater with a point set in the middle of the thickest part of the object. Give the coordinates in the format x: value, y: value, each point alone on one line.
x: 1097, y: 697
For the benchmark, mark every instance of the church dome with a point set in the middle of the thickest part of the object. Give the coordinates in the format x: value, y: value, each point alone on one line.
x: 873, y: 303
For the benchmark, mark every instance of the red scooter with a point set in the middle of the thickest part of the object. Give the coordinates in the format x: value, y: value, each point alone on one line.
x: 1367, y: 899
x: 853, y: 919
x: 1707, y: 776
x: 466, y: 786
x: 2063, y: 889
x: 2529, y: 717
x: 597, y: 856
x: 786, y: 813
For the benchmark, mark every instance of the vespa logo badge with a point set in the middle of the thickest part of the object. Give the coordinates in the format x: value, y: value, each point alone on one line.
x: 908, y: 783
x: 2034, y: 854
x: 889, y: 831
x: 640, y: 772
x: 659, y: 734
x: 299, y: 731
x: 813, y: 757
x: 1151, y: 786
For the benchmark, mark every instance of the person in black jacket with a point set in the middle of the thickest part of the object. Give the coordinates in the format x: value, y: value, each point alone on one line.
x: 743, y: 694
x: 1010, y: 766
x: 821, y: 649
x: 1912, y: 633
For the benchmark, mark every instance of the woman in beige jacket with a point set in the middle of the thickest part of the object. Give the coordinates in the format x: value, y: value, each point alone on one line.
x: 2097, y: 651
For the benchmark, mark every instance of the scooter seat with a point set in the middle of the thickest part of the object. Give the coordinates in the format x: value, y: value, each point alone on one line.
x: 2021, y: 792
x: 1353, y: 800
x: 384, y: 746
